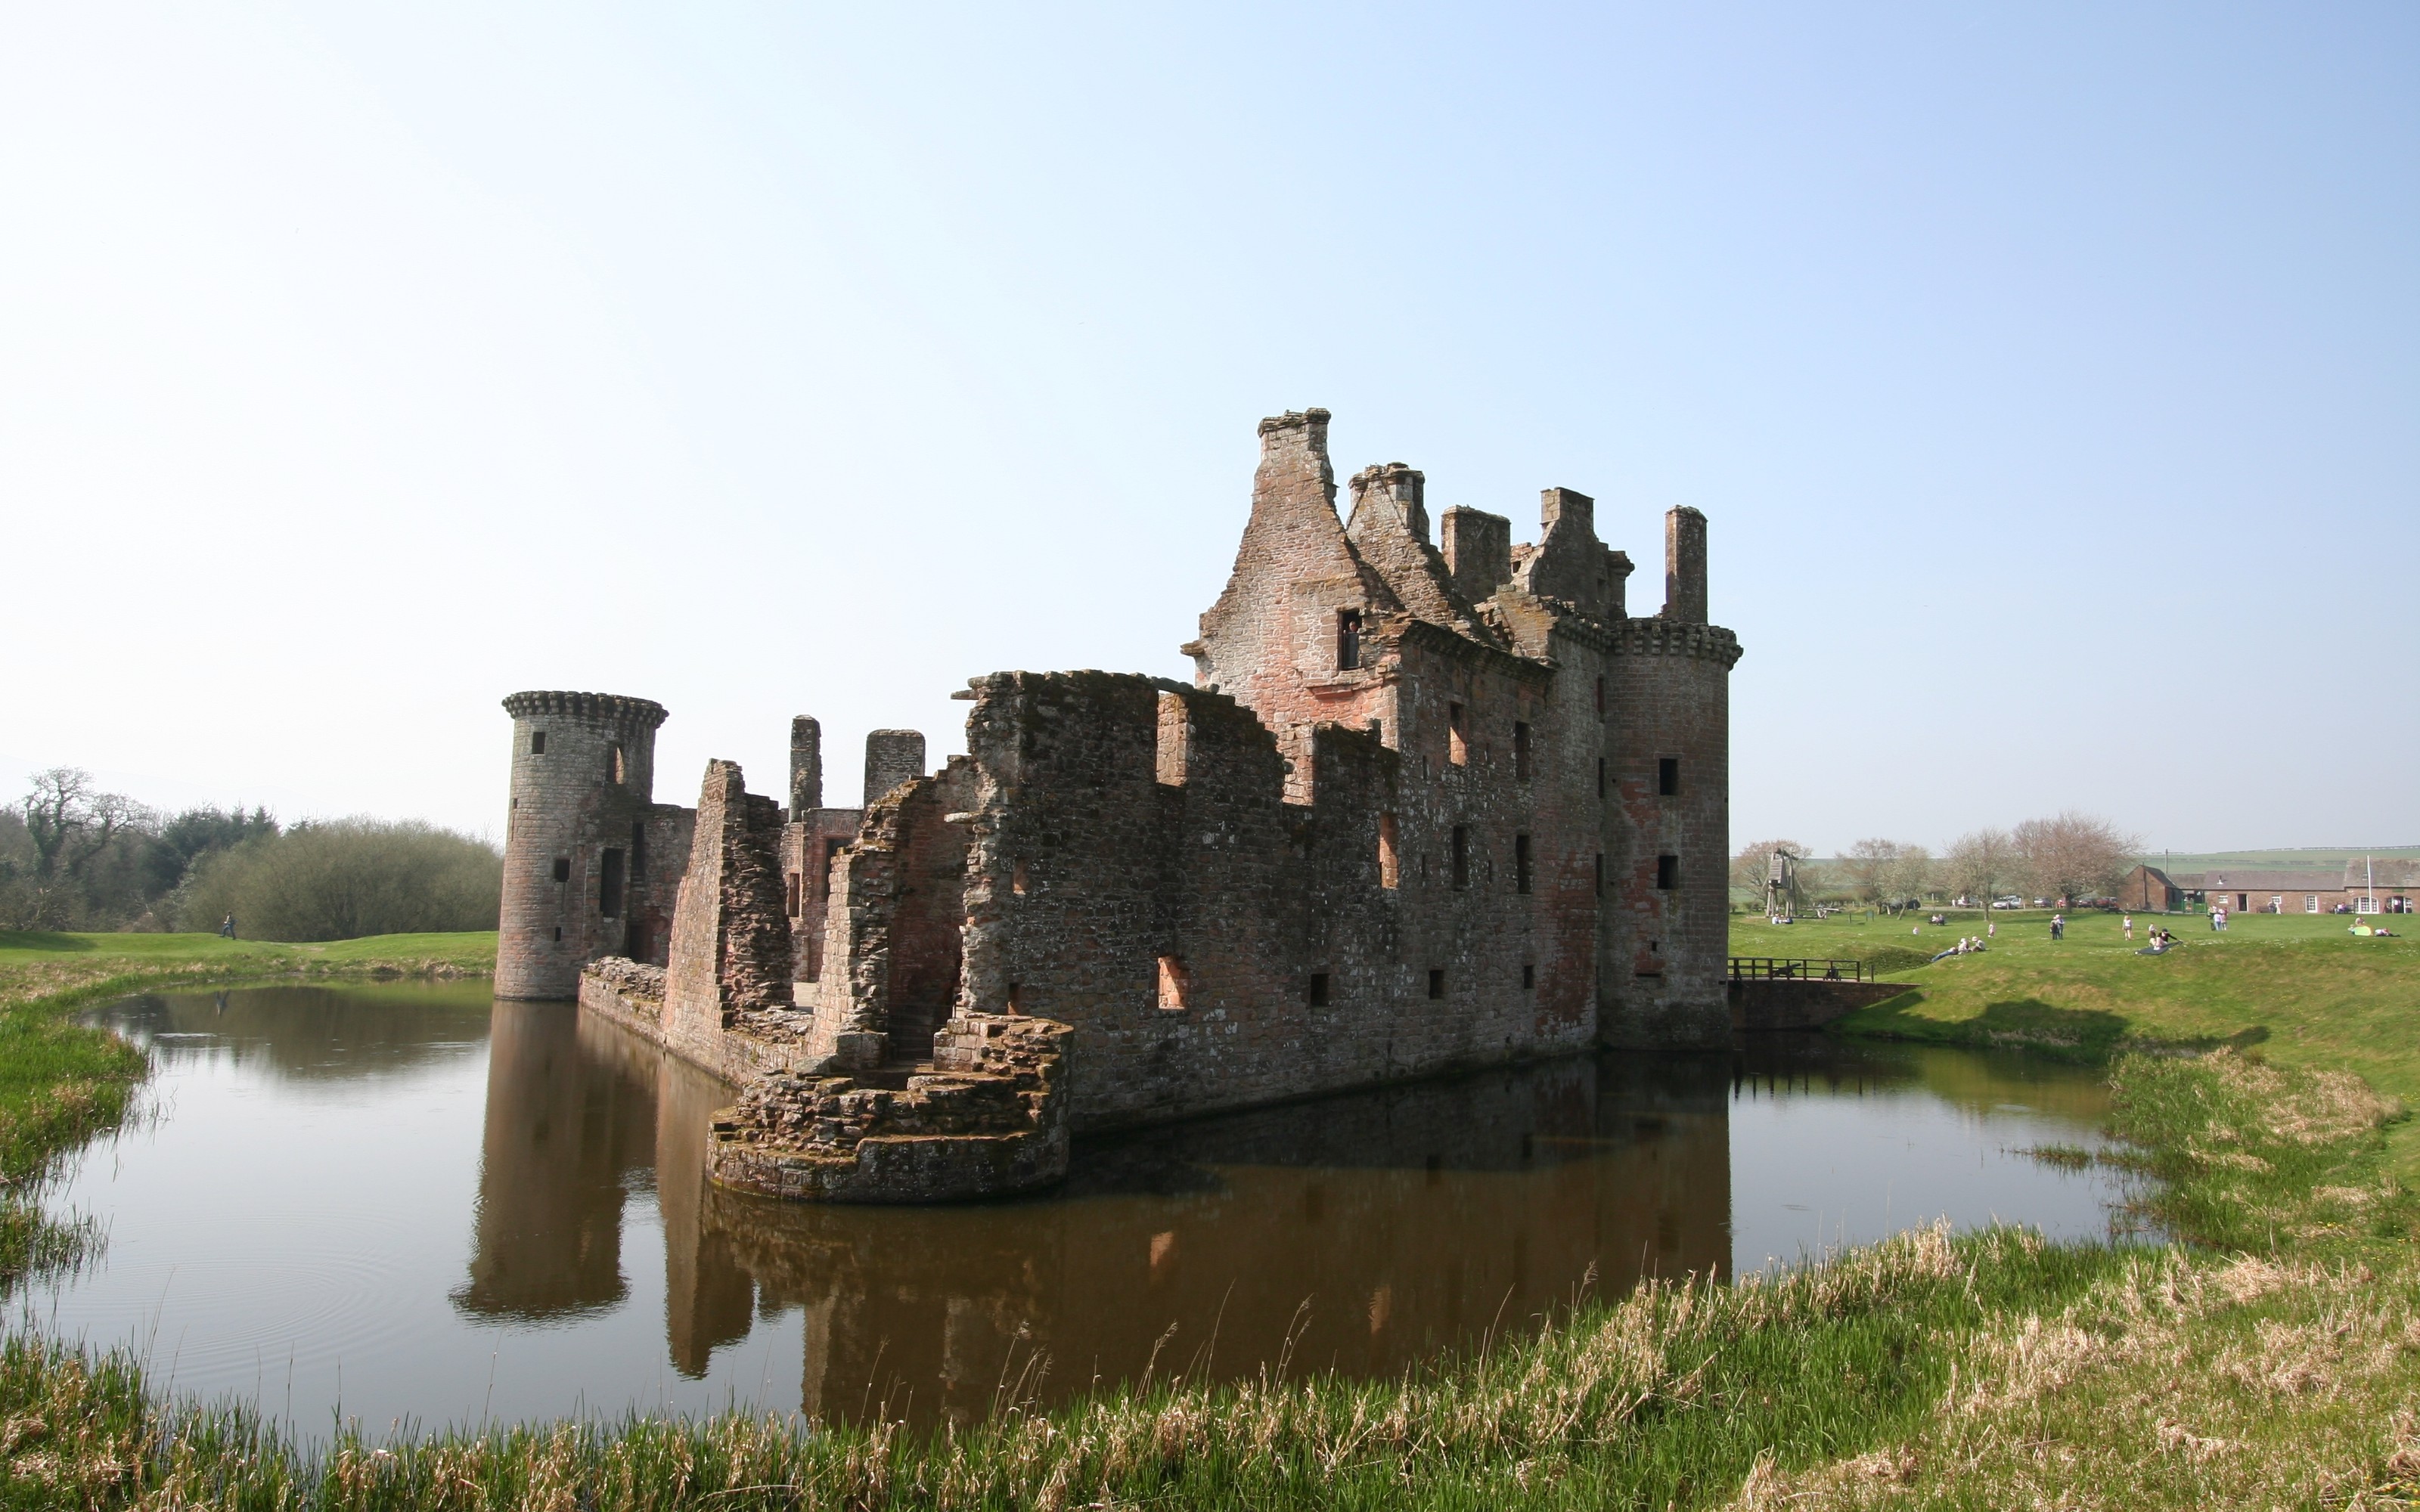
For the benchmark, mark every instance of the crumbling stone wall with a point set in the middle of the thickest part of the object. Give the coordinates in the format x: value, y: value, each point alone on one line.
x: 990, y: 1119
x: 731, y: 941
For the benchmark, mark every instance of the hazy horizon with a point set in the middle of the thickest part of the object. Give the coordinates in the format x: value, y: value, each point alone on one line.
x: 2050, y: 375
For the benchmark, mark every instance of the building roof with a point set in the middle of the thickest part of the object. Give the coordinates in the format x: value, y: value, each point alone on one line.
x: 2246, y: 880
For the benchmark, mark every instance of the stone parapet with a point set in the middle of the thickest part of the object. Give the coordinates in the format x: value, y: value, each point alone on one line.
x: 989, y: 1121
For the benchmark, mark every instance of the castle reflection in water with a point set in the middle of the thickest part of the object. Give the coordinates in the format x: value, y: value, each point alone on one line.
x: 1361, y: 1232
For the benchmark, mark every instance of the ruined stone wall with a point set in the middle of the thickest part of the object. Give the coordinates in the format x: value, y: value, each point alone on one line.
x: 1215, y: 945
x: 811, y: 842
x: 731, y: 941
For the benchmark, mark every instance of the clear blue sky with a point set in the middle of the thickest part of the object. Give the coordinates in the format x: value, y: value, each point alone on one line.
x: 2050, y: 374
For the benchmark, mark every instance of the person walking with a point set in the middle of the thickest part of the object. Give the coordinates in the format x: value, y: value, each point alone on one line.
x: 2058, y: 926
x: 1990, y: 929
x: 2128, y: 920
x: 226, y: 928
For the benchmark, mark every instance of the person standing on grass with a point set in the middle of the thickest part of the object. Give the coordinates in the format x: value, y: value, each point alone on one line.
x: 2058, y: 926
x: 2128, y: 920
x: 1990, y: 929
x: 226, y: 928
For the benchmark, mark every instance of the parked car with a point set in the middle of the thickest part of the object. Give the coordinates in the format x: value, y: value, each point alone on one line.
x: 2007, y: 903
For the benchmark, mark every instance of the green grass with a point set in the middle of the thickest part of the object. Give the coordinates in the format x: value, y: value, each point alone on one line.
x: 2299, y: 986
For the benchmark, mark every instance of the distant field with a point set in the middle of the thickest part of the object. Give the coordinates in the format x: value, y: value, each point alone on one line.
x: 2299, y: 987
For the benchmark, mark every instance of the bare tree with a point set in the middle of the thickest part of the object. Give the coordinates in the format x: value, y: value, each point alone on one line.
x: 1982, y: 862
x: 69, y: 826
x: 1909, y: 876
x: 2073, y: 856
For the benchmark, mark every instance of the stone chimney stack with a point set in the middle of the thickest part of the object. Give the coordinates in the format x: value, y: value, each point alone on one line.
x: 1294, y: 460
x: 1478, y: 551
x: 892, y: 757
x: 806, y: 767
x: 1569, y: 509
x: 1400, y: 490
x: 1684, y: 566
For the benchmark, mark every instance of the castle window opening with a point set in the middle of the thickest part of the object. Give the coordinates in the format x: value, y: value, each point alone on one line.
x: 562, y: 869
x: 1520, y: 863
x: 1600, y: 776
x: 1460, y: 856
x: 1017, y: 878
x: 1172, y: 751
x: 609, y: 883
x: 1667, y: 873
x: 795, y: 889
x: 634, y: 943
x: 1457, y: 738
x: 1520, y: 750
x: 1319, y: 989
x: 1016, y: 997
x: 558, y: 934
x: 1378, y: 731
x: 1174, y: 983
x: 614, y: 763
x: 1668, y: 776
x: 1389, y: 866
x: 1437, y: 982
x: 1529, y: 977
x: 1600, y: 873
x: 538, y: 742
x: 1348, y: 640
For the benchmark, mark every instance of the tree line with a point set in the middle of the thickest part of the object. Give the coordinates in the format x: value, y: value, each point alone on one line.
x: 2064, y: 857
x: 75, y: 857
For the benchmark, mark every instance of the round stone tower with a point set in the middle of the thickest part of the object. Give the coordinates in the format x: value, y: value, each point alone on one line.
x: 583, y: 777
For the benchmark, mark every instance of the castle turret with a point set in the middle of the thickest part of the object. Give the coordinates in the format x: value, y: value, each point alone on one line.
x: 575, y: 837
x: 892, y: 757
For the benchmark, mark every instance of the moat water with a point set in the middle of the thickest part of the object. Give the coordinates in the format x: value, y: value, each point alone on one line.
x: 410, y: 1205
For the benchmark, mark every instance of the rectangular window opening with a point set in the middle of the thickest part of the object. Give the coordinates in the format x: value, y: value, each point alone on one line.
x: 1389, y: 867
x: 1457, y: 739
x: 1319, y: 989
x: 1668, y: 776
x: 614, y: 763
x: 794, y: 893
x: 1437, y: 983
x: 1529, y: 977
x: 609, y: 883
x: 1600, y: 776
x: 1348, y: 640
x: 1667, y: 873
x: 538, y: 742
x: 562, y: 869
x: 1600, y: 873
x: 1520, y: 750
x: 1019, y: 879
x: 1461, y: 856
x: 1174, y: 732
x: 1520, y: 863
x: 1016, y: 997
x: 1174, y: 983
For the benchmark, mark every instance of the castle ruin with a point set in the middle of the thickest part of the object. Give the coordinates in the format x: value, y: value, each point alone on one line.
x: 1428, y: 804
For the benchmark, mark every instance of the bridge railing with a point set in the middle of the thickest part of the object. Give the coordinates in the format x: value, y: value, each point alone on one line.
x: 1775, y: 969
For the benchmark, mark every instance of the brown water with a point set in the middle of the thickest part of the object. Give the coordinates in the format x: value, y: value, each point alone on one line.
x: 407, y: 1204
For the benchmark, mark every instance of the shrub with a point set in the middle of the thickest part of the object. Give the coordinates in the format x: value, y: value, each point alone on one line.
x: 341, y: 879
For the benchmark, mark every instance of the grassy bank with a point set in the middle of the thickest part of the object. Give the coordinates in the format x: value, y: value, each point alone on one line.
x: 2299, y: 987
x: 2273, y: 1364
